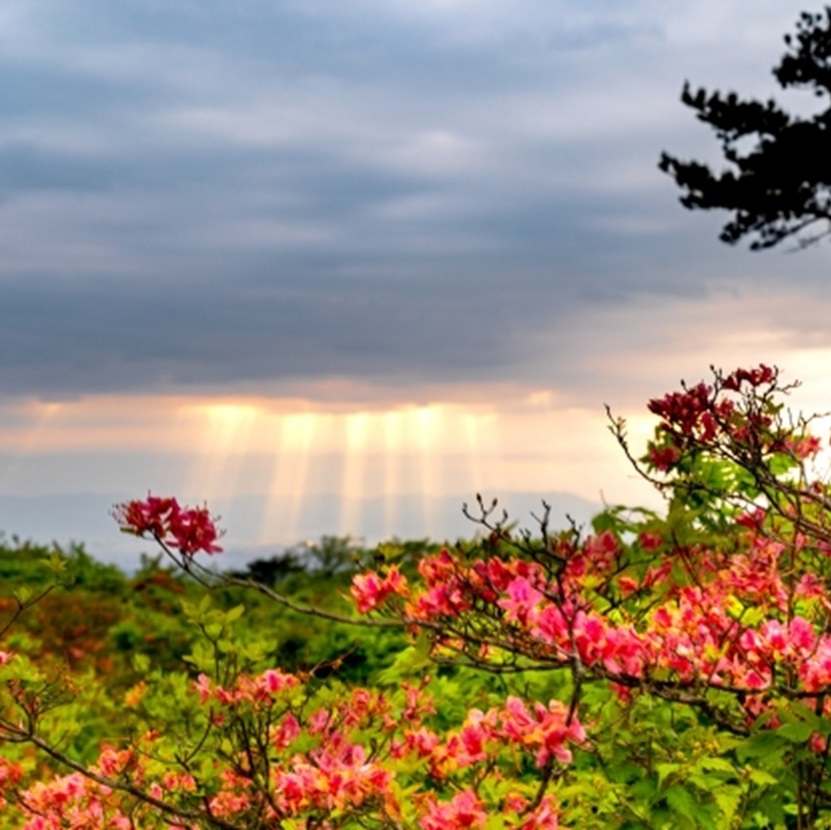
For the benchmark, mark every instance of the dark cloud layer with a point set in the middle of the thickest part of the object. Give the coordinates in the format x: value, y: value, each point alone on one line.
x: 207, y: 193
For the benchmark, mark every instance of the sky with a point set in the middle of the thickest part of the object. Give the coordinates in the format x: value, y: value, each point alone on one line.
x: 336, y: 267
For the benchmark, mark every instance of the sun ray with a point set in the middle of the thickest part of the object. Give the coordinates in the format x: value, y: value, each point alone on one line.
x: 426, y: 423
x: 294, y: 439
x: 356, y: 434
x: 44, y: 418
x: 392, y: 430
x: 471, y: 428
x: 227, y: 437
x: 300, y: 431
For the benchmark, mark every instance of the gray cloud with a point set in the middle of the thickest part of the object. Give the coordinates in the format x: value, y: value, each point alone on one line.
x: 204, y: 193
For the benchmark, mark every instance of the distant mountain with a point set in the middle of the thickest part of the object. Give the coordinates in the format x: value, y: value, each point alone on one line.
x: 255, y: 528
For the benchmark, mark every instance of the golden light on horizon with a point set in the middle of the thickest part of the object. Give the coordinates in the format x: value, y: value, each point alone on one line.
x: 399, y: 448
x: 278, y: 457
x: 348, y: 440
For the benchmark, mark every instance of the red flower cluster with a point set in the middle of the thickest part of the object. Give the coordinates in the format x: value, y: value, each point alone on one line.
x: 696, y: 411
x: 705, y: 415
x: 684, y: 410
x: 754, y: 377
x: 188, y: 529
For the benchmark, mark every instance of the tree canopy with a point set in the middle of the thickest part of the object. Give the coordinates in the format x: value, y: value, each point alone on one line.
x: 779, y: 188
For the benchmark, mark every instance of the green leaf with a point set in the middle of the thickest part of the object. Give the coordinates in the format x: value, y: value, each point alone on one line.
x: 141, y: 663
x: 255, y: 652
x: 680, y: 800
x: 762, y: 744
x: 19, y: 668
x: 705, y: 821
x: 225, y: 646
x: 607, y: 520
x: 762, y: 778
x: 728, y: 801
x: 388, y: 552
x: 665, y: 771
x: 213, y: 630
x: 411, y: 660
x: 799, y: 713
x: 717, y: 765
x: 234, y: 614
x: 23, y: 594
x: 780, y: 463
x: 797, y: 733
x: 56, y: 562
x: 201, y: 657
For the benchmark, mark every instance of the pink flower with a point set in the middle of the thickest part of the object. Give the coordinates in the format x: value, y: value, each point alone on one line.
x: 545, y: 817
x: 286, y: 732
x: 274, y: 681
x: 545, y: 730
x: 203, y: 686
x: 521, y: 601
x: 803, y: 448
x: 371, y: 590
x: 464, y: 810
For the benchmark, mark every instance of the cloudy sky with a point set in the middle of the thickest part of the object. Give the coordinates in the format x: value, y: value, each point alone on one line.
x: 381, y: 252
